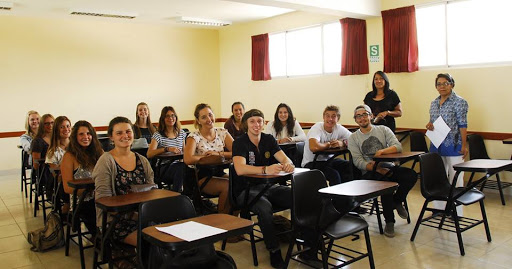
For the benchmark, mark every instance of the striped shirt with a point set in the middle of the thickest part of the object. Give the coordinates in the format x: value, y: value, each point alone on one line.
x: 176, y: 142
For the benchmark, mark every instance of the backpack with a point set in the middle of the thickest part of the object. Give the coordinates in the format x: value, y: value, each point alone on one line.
x: 48, y: 237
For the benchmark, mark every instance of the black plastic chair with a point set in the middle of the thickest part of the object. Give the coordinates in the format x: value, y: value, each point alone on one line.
x: 318, y: 214
x: 299, y: 154
x: 43, y: 183
x: 25, y: 181
x: 418, y: 143
x: 435, y: 186
x: 201, y: 199
x: 150, y: 213
x: 477, y: 150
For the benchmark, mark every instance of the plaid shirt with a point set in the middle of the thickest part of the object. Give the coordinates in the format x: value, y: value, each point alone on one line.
x: 454, y: 112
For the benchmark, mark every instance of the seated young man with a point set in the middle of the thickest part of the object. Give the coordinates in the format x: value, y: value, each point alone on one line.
x: 252, y: 154
x: 375, y: 140
x: 323, y: 136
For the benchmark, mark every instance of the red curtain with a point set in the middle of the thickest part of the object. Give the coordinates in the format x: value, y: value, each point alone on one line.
x: 354, y: 58
x: 260, y: 62
x: 400, y: 40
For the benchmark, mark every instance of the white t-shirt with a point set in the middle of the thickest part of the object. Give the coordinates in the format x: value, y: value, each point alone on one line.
x: 318, y: 132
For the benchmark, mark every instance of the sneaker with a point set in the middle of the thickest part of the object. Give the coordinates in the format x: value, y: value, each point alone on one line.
x: 400, y: 209
x: 276, y: 260
x: 389, y: 230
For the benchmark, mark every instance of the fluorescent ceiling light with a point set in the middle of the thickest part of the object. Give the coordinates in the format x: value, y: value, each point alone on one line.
x: 201, y: 21
x: 6, y: 5
x: 104, y: 13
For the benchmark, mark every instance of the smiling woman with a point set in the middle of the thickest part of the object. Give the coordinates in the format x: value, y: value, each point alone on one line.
x: 234, y: 122
x: 59, y: 142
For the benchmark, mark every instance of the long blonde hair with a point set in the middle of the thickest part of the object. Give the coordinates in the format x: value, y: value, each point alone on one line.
x: 28, y: 131
x: 150, y: 125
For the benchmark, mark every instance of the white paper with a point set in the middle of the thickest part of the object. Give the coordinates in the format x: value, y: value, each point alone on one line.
x: 440, y: 132
x: 190, y: 230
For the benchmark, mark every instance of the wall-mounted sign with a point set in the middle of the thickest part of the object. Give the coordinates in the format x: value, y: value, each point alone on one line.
x: 374, y: 53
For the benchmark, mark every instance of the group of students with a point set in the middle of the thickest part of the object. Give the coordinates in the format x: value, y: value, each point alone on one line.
x: 253, y: 150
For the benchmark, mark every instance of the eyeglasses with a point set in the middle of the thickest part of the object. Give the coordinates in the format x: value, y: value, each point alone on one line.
x: 172, y: 116
x: 49, y: 123
x: 443, y: 84
x: 364, y: 115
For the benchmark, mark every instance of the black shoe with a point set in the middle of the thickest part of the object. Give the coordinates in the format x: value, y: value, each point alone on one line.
x: 402, y: 212
x: 276, y: 260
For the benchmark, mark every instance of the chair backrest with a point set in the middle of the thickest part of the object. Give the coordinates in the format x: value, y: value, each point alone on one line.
x: 307, y: 202
x: 157, y: 212
x: 231, y: 195
x: 434, y: 180
x: 418, y: 142
x: 299, y: 154
x: 477, y: 148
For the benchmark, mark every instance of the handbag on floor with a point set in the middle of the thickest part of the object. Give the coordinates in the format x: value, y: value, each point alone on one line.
x: 51, y: 236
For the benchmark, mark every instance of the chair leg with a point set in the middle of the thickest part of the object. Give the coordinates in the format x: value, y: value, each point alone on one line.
x: 325, y: 257
x: 500, y: 189
x: 459, y: 233
x: 486, y: 224
x: 253, y: 249
x: 369, y: 248
x: 68, y: 236
x: 290, y: 250
x: 418, y: 222
x: 379, y: 221
x: 407, y: 209
x: 81, y: 247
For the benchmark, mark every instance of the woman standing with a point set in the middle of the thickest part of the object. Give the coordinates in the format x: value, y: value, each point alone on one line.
x: 383, y: 101
x: 285, y: 128
x: 60, y: 141
x: 209, y: 140
x: 83, y: 152
x: 453, y: 109
x: 143, y: 127
x: 42, y: 139
x: 169, y: 138
x: 117, y: 170
x: 233, y: 124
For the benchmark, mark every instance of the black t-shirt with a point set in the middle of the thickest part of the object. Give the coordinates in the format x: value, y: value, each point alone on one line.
x: 145, y: 133
x: 256, y: 156
x: 39, y: 145
x: 390, y: 101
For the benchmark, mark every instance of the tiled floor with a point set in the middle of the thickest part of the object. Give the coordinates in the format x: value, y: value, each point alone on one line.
x: 431, y: 249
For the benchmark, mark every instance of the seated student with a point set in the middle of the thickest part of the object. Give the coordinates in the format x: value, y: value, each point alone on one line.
x: 60, y: 141
x: 169, y: 138
x: 252, y: 153
x: 234, y: 122
x: 285, y: 128
x: 83, y: 152
x: 209, y: 140
x: 326, y: 135
x: 31, y: 126
x: 117, y: 170
x: 143, y: 128
x: 375, y: 140
x: 42, y: 139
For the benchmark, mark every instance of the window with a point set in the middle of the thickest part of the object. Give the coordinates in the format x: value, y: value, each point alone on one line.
x: 309, y: 51
x: 464, y: 32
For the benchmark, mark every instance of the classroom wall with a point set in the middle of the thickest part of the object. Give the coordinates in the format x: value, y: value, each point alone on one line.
x: 98, y: 69
x: 487, y: 89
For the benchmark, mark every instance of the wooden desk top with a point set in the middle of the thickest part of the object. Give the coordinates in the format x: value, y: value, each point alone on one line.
x: 507, y: 141
x: 399, y: 156
x: 233, y: 225
x: 360, y: 190
x: 170, y: 155
x: 81, y: 183
x: 132, y: 200
x: 484, y: 165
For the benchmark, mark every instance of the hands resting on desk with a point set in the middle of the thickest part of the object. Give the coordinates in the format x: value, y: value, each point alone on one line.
x: 276, y: 168
x: 381, y: 170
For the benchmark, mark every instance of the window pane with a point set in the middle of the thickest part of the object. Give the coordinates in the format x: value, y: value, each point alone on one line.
x: 304, y: 52
x: 477, y: 31
x: 332, y: 47
x: 430, y: 23
x: 277, y: 55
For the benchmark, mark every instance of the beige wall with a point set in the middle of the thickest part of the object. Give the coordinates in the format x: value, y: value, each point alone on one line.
x: 95, y: 70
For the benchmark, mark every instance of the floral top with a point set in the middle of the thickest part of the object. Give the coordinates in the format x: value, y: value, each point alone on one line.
x: 126, y: 178
x: 454, y: 112
x: 203, y: 145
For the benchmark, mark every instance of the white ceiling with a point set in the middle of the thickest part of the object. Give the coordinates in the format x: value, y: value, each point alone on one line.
x: 166, y: 11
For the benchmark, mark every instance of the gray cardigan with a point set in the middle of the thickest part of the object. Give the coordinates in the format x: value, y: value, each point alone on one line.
x: 104, y: 175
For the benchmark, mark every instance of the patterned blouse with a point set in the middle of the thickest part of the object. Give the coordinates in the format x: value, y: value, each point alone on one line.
x: 454, y: 112
x: 203, y: 145
x: 126, y: 178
